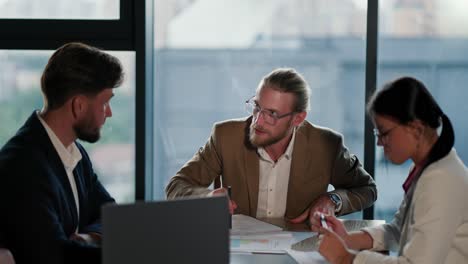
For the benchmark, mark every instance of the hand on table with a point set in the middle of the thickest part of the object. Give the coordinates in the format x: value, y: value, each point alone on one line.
x: 88, y: 238
x: 224, y: 191
x: 332, y: 247
x: 322, y: 204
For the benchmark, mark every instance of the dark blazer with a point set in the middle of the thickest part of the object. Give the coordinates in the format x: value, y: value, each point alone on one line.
x: 319, y: 158
x: 38, y: 211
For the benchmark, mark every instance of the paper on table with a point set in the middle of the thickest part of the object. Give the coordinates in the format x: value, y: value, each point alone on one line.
x: 302, y: 255
x: 306, y: 245
x: 276, y: 243
x: 245, y: 225
x: 307, y: 257
x: 249, y: 235
x: 311, y: 243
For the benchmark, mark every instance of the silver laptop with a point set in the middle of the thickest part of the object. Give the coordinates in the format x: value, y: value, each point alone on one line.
x: 177, y: 231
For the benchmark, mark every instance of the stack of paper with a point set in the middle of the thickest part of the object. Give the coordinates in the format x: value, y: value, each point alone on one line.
x: 246, y: 225
x: 253, y: 236
x: 249, y: 235
x: 308, y: 244
x: 273, y: 243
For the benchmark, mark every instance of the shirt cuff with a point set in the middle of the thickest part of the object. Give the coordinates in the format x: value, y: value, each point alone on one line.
x: 377, y: 233
x: 367, y: 256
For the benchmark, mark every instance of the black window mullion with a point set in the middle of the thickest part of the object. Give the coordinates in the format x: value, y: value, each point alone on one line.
x: 115, y: 34
x: 371, y: 81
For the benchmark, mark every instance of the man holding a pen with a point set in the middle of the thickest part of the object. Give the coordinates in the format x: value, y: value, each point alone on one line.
x: 278, y: 164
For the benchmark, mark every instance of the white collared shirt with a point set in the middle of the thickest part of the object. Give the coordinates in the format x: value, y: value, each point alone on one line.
x: 273, y: 182
x: 70, y: 156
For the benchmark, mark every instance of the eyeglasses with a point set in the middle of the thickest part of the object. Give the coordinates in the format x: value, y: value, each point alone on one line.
x: 383, y: 135
x: 270, y: 117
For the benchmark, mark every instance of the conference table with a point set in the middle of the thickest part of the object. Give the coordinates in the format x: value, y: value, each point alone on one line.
x: 249, y: 258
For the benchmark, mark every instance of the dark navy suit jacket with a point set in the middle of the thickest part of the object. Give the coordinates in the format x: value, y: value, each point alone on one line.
x: 37, y: 208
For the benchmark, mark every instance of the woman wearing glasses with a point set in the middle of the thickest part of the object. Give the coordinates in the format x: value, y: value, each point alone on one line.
x: 431, y: 225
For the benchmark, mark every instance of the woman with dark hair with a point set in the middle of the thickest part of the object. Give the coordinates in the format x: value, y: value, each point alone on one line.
x: 431, y: 225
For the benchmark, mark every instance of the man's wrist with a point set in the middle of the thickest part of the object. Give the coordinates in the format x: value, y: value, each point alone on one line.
x: 95, y: 237
x: 336, y: 200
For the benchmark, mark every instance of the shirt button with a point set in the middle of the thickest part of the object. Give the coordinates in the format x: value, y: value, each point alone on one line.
x: 271, y: 190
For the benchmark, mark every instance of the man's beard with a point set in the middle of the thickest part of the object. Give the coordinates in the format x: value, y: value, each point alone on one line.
x: 265, y: 142
x: 86, y: 132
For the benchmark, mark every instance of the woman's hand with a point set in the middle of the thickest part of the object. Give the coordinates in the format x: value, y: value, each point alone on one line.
x: 337, y: 226
x: 333, y: 247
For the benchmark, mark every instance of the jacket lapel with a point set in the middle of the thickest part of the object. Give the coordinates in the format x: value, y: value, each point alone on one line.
x: 251, y: 170
x: 297, y: 178
x: 43, y: 141
x: 77, y: 172
x: 252, y: 174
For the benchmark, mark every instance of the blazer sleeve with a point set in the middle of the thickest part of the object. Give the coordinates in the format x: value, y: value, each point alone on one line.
x: 96, y: 197
x: 437, y: 215
x: 387, y: 236
x: 199, y: 172
x: 34, y: 228
x: 352, y: 183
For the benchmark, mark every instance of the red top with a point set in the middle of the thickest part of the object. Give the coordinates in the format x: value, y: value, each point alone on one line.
x: 409, y: 181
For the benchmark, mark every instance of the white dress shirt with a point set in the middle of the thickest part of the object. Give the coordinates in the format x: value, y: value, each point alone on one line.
x: 70, y: 156
x: 273, y: 182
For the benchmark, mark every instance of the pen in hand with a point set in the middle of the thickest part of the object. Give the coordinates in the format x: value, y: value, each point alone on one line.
x: 323, y: 221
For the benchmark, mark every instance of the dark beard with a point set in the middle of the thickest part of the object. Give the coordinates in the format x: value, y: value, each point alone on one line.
x: 85, y: 134
x: 266, y: 143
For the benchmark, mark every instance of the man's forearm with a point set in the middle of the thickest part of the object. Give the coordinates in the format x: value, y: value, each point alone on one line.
x: 356, y: 199
x: 178, y: 187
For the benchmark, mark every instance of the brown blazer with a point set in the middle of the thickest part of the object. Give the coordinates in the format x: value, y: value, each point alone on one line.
x: 319, y: 158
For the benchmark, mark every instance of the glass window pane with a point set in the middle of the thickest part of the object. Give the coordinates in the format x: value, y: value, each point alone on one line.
x: 60, y: 9
x: 113, y: 156
x: 427, y: 40
x: 211, y: 55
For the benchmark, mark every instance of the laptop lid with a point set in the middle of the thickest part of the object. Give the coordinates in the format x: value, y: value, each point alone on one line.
x: 176, y: 231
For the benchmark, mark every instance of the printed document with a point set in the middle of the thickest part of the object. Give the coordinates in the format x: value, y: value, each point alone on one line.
x: 246, y: 225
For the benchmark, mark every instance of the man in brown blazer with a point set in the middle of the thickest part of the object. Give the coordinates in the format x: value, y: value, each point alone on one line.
x: 277, y: 163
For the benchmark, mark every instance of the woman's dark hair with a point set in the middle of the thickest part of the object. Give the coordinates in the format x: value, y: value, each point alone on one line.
x: 407, y: 99
x: 76, y: 68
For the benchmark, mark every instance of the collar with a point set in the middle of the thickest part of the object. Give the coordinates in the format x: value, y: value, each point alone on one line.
x: 287, y: 154
x: 70, y: 155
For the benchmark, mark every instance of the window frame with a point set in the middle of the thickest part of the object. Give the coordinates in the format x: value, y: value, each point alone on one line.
x: 131, y: 32
x: 51, y: 33
x: 371, y: 82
